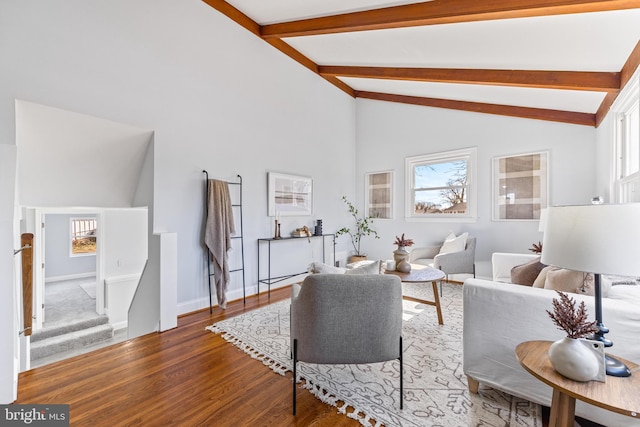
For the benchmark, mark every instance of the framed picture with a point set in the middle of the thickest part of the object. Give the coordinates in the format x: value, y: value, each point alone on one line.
x: 289, y: 195
x: 378, y: 196
x: 520, y: 186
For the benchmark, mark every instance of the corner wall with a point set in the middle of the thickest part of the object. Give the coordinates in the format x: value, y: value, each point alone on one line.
x: 389, y: 132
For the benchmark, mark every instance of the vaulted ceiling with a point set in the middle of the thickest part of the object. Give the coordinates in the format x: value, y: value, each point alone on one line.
x: 556, y: 60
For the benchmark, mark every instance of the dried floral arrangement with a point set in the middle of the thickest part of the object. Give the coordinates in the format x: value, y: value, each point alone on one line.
x: 401, y: 241
x: 536, y: 248
x: 573, y: 321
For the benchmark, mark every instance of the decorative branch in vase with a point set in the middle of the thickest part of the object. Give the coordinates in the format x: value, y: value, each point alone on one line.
x: 569, y: 356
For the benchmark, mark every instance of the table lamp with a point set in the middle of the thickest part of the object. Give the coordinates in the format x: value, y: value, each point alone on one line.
x: 599, y: 239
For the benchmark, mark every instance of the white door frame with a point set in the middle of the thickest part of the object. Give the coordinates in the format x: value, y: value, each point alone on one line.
x: 39, y: 239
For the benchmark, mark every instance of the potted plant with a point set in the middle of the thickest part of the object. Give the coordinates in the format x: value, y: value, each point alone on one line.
x: 362, y: 228
x: 569, y: 356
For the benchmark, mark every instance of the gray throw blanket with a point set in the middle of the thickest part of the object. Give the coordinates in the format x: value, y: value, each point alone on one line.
x: 217, y: 235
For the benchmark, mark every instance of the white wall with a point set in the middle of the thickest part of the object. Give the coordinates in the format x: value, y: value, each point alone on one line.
x: 125, y: 245
x: 9, y: 271
x: 216, y: 97
x: 389, y: 132
x: 58, y: 260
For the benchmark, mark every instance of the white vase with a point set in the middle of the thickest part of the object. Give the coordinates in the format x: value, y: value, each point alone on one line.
x: 571, y: 358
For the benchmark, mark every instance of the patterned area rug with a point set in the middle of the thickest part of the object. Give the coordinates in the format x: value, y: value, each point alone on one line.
x: 435, y: 388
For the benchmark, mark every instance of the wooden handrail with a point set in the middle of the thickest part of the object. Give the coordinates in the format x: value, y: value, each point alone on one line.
x: 26, y: 243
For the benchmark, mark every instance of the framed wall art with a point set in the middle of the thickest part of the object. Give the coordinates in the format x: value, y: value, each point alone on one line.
x: 289, y: 195
x: 378, y: 195
x: 520, y: 186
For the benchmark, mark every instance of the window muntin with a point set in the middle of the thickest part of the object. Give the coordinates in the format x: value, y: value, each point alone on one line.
x: 441, y: 185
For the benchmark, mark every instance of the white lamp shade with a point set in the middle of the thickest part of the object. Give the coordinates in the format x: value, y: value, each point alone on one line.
x: 601, y: 239
x: 543, y: 219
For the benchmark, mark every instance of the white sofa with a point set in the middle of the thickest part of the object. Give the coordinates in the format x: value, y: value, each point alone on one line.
x: 498, y: 316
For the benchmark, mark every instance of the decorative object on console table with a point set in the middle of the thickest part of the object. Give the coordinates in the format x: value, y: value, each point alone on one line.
x: 318, y: 229
x: 362, y: 229
x: 401, y: 255
x: 601, y: 239
x: 579, y: 360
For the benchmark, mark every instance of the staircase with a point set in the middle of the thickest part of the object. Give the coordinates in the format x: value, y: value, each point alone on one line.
x: 57, y: 339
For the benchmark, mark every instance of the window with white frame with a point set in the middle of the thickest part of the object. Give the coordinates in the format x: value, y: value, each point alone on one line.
x: 442, y: 185
x: 83, y: 236
x: 627, y: 168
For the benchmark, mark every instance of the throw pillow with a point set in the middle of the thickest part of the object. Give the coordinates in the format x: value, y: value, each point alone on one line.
x: 370, y: 268
x: 577, y: 282
x: 542, y: 277
x: 319, y: 267
x: 456, y: 244
x: 527, y: 273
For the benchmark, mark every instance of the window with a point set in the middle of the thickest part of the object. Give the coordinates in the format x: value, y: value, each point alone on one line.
x: 441, y: 186
x: 83, y: 236
x: 627, y: 168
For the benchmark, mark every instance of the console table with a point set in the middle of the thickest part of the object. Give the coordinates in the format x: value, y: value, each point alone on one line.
x: 269, y: 241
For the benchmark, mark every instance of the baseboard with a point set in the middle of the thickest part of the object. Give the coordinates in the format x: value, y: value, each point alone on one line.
x: 69, y: 277
x: 233, y: 295
x: 119, y: 325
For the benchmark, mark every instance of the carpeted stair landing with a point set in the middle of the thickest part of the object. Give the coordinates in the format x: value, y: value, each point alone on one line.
x: 77, y: 334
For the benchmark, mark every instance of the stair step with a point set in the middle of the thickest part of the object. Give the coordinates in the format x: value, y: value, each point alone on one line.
x: 59, y: 343
x: 78, y: 325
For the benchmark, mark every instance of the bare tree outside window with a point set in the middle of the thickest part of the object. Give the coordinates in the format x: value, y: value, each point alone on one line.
x: 441, y: 188
x: 442, y: 185
x: 83, y: 236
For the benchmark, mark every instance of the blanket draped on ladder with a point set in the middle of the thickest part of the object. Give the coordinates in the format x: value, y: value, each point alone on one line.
x: 217, y: 236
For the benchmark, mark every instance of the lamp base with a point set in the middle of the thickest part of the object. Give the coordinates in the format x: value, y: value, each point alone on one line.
x: 616, y: 368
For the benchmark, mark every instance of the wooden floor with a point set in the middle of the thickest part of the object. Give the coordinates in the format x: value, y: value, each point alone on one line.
x: 183, y: 377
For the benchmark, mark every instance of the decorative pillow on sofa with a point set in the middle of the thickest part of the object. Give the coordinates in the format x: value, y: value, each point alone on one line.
x: 370, y: 268
x: 454, y: 244
x: 527, y: 273
x: 319, y: 267
x: 577, y: 282
x: 542, y: 277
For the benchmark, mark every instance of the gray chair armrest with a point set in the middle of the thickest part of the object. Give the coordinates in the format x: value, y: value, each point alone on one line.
x: 457, y: 262
x: 427, y: 252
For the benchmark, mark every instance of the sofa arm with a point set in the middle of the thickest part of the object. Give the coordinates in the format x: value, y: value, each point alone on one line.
x: 499, y: 316
x: 503, y: 262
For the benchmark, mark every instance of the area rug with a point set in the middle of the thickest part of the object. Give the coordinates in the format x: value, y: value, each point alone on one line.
x: 435, y: 388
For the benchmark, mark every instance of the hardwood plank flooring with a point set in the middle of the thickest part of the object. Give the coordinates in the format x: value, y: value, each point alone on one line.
x: 183, y: 377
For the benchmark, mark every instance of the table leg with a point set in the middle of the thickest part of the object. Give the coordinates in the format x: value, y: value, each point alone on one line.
x: 436, y: 299
x: 563, y: 408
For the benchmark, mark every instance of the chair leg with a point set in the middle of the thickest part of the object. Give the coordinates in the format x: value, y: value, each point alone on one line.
x: 401, y: 376
x: 295, y: 362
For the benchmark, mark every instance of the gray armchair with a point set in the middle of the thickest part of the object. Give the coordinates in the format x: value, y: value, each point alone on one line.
x: 451, y: 263
x: 346, y: 319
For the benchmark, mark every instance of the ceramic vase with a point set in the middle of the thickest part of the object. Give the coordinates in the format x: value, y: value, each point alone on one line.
x: 399, y: 255
x: 403, y: 266
x: 572, y: 359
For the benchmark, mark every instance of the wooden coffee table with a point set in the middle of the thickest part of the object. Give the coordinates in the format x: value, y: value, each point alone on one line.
x: 423, y: 274
x: 621, y: 395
